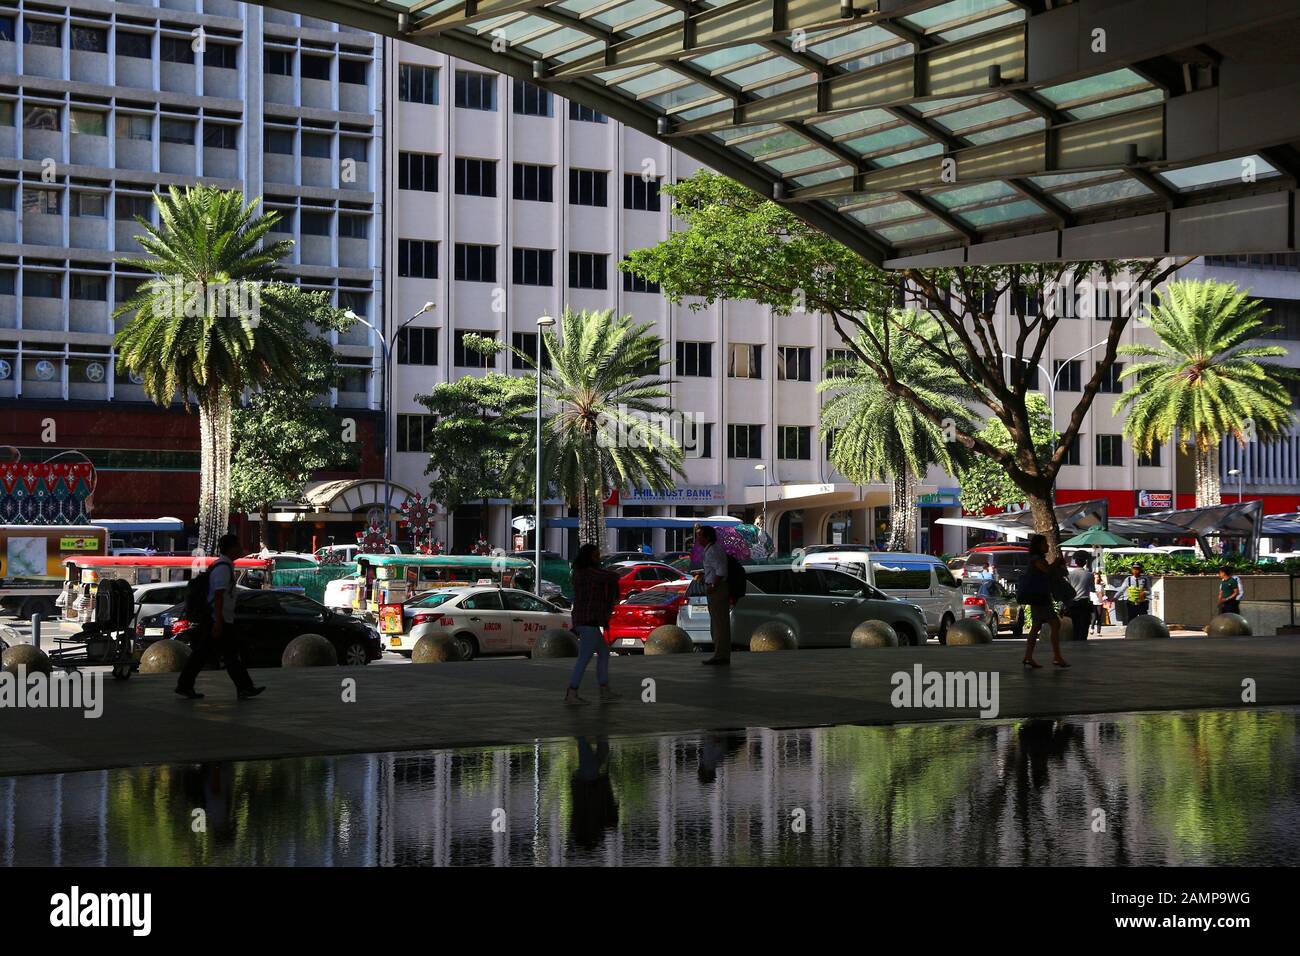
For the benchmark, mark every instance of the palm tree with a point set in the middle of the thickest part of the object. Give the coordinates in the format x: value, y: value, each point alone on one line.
x: 877, y: 437
x: 209, y: 322
x: 611, y: 427
x: 1202, y: 382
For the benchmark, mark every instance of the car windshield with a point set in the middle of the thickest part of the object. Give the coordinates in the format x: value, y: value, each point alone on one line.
x: 432, y: 600
x: 656, y: 596
x: 972, y: 587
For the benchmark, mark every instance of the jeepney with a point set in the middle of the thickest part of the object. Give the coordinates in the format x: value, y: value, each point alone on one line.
x: 385, y: 581
x: 83, y: 575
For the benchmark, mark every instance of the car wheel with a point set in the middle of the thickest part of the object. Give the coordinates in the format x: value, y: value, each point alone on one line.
x: 905, y: 636
x: 943, y: 628
x: 355, y: 654
x: 468, y: 645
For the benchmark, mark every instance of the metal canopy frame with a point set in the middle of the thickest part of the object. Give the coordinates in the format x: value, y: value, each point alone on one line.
x: 936, y: 132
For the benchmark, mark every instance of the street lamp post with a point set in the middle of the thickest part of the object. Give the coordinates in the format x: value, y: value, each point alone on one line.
x: 762, y: 470
x: 386, y: 354
x: 543, y: 323
x: 1240, y: 475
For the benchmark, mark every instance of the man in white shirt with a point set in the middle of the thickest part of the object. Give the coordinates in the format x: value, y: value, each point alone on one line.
x: 217, y: 633
x: 715, y: 578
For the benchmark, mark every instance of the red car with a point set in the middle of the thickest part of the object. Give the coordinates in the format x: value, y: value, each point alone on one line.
x: 635, y: 618
x: 638, y: 576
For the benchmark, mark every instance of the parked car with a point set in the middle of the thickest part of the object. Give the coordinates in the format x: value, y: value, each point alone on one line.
x: 344, y: 553
x: 150, y: 599
x: 1004, y: 562
x: 266, y: 621
x: 634, y: 619
x: 917, y: 578
x: 617, y: 557
x: 668, y: 557
x: 483, y: 620
x: 637, y: 576
x: 339, y: 593
x: 821, y: 605
x: 988, y: 601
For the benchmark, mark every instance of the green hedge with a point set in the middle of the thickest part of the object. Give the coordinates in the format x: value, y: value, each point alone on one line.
x: 1160, y: 563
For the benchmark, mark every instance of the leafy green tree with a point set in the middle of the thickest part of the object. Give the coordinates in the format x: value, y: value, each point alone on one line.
x: 610, y: 425
x: 1203, y: 381
x: 739, y: 245
x: 479, y: 422
x: 984, y: 482
x: 209, y: 323
x: 879, y: 438
x: 284, y: 433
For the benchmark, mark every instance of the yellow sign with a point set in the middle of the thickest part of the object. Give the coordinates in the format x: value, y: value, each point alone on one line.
x: 78, y: 544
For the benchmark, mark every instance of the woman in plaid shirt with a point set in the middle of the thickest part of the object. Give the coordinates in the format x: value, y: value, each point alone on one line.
x: 595, y: 592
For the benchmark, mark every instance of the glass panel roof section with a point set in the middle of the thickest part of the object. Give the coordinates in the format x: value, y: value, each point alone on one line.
x: 973, y: 195
x: 999, y: 133
x: 849, y: 123
x: 907, y: 156
x: 920, y: 229
x: 1105, y: 193
x: 885, y: 212
x: 720, y: 59
x: 1092, y: 87
x: 761, y: 72
x: 954, y: 11
x: 983, y: 26
x: 1118, y: 105
x: 986, y: 216
x: 1214, y: 174
x: 617, y: 18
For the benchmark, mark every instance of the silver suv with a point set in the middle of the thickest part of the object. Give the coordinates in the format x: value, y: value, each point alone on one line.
x: 821, y: 605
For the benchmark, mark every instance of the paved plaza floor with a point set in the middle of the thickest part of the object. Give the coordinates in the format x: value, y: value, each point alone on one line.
x: 487, y: 702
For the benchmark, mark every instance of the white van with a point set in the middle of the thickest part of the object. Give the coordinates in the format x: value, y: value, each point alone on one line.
x: 920, y: 579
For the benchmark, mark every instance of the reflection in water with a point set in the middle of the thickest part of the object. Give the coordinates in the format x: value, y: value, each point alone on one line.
x: 1197, y: 788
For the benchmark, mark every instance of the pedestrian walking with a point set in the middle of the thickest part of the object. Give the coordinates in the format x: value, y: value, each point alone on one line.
x: 216, y: 627
x: 595, y: 592
x: 1080, y: 609
x: 715, y: 579
x: 1229, y: 591
x: 1035, y: 589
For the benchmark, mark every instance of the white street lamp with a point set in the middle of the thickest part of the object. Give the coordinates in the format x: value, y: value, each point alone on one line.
x: 762, y: 470
x: 1241, y: 477
x: 386, y: 354
x: 543, y: 323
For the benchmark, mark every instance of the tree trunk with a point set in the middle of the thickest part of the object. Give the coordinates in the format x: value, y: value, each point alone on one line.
x: 902, y: 513
x: 214, y: 471
x: 1040, y: 506
x: 1208, y: 488
x: 591, y: 517
x: 265, y: 513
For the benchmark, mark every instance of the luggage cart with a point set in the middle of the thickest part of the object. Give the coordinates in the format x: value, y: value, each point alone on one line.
x: 106, y: 640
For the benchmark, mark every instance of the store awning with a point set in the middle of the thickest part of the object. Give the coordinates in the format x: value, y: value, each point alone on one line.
x: 340, y: 500
x: 139, y: 525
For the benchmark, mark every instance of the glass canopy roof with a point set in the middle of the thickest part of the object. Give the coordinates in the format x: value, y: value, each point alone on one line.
x: 901, y: 127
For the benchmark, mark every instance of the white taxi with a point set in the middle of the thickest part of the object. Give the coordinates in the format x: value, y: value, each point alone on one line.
x: 482, y: 619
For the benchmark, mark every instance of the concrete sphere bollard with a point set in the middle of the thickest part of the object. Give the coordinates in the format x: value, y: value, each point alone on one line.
x: 873, y: 634
x: 165, y: 657
x: 669, y: 639
x: 1145, y: 627
x: 968, y: 632
x: 309, y: 650
x: 25, y: 655
x: 556, y: 642
x: 435, y: 647
x: 1067, y: 629
x: 1228, y: 625
x: 773, y: 636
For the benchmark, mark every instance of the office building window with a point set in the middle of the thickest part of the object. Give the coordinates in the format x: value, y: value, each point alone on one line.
x: 181, y: 132
x: 278, y: 141
x: 476, y: 177
x: 138, y: 45
x: 641, y: 193
x: 526, y: 342
x: 532, y: 267
x: 697, y: 438
x: 221, y: 56
x: 315, y: 67
x: 128, y: 208
x: 835, y: 357
x: 585, y: 114
x: 635, y: 283
x: 468, y: 357
x: 414, y: 431
x: 42, y: 201
x: 88, y: 288
x: 88, y: 122
x: 353, y: 226
x: 1069, y: 375
x: 43, y: 285
x: 417, y: 84
x: 1152, y: 460
x: 354, y: 148
x: 353, y: 71
x: 1073, y: 455
x: 279, y: 62
x: 588, y: 187
x: 476, y: 91
x: 314, y: 223
x: 417, y: 345
x: 90, y: 39
x: 475, y: 263
x: 534, y: 183
x: 531, y: 100
x: 417, y: 259
x: 42, y: 118
x: 8, y: 281
x: 695, y: 359
x: 219, y: 136
x: 42, y: 33
x: 417, y: 171
x: 744, y: 441
x: 90, y: 205
x: 176, y: 49
x: 1110, y: 381
x: 1110, y: 451
x: 794, y: 363
x: 588, y: 270
x: 317, y: 146
x: 744, y: 360
x: 794, y: 442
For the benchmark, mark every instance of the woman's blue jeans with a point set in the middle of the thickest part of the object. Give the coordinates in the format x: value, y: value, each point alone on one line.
x: 590, y: 641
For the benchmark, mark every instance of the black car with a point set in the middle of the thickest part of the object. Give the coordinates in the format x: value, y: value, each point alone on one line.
x: 266, y: 621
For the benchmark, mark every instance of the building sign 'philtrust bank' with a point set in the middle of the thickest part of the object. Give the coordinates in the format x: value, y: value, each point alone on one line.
x: 680, y: 495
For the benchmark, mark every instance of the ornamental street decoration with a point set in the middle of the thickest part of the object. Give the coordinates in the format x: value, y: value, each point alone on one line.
x: 417, y: 519
x: 374, y: 540
x: 46, y: 493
